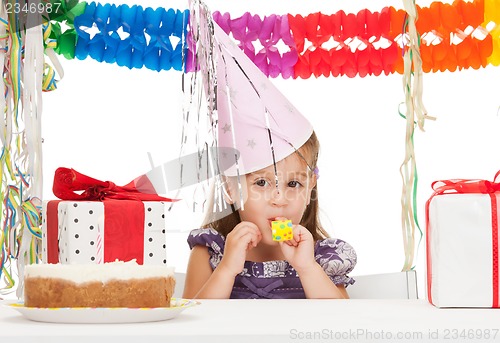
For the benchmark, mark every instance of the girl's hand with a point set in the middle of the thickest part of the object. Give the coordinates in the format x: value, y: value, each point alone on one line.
x: 239, y: 241
x: 299, y: 251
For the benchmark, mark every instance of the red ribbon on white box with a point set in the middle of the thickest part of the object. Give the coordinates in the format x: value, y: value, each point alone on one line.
x: 467, y: 186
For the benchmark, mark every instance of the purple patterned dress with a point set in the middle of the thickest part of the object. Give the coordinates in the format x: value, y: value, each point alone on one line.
x: 278, y: 279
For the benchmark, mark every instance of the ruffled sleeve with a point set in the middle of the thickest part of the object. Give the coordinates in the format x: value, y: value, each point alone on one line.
x: 337, y: 258
x: 210, y: 238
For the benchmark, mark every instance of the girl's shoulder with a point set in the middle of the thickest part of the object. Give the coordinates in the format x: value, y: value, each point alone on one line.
x: 207, y: 237
x: 334, y: 247
x: 336, y: 256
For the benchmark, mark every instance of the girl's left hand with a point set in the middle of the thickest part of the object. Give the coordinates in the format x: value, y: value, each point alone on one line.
x: 299, y: 251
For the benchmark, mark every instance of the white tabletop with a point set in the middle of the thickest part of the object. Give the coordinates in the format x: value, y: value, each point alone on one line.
x: 276, y: 321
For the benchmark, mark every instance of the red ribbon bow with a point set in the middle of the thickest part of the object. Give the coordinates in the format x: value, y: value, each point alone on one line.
x: 68, y: 181
x: 466, y: 186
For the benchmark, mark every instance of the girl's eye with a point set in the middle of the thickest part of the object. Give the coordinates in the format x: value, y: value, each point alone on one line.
x: 294, y: 184
x: 261, y: 182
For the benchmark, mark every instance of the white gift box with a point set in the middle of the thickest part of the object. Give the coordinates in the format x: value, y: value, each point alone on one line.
x: 462, y: 250
x: 82, y: 231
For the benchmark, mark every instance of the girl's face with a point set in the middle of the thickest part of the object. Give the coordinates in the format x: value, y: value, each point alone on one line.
x: 264, y: 200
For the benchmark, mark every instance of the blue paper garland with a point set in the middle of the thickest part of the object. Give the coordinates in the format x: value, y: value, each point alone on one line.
x: 149, y: 42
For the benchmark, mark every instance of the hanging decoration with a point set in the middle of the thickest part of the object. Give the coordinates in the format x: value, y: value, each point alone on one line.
x: 415, y: 114
x: 491, y: 21
x: 268, y: 31
x: 24, y: 38
x: 132, y: 36
x: 453, y: 36
x: 62, y: 31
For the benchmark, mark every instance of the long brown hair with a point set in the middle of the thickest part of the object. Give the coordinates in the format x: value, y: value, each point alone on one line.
x: 310, y: 219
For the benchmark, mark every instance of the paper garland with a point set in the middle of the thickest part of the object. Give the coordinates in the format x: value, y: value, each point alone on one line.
x: 132, y: 36
x: 454, y: 36
x: 268, y: 32
x: 64, y: 40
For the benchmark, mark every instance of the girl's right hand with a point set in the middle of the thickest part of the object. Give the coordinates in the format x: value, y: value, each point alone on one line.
x: 239, y: 241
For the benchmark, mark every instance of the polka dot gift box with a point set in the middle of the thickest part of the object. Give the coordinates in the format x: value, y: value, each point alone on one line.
x: 97, y: 222
x: 83, y: 232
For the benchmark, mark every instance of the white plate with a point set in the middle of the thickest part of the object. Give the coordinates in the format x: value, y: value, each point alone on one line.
x: 103, y: 315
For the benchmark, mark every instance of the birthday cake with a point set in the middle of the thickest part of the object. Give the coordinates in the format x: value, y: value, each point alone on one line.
x: 116, y: 284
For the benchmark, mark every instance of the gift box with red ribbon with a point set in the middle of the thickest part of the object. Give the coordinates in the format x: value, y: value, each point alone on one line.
x: 462, y: 243
x: 103, y: 223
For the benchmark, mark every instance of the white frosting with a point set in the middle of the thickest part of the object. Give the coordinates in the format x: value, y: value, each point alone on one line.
x: 81, y: 273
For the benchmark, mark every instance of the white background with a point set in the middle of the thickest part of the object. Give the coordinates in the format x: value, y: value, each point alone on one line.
x: 104, y: 119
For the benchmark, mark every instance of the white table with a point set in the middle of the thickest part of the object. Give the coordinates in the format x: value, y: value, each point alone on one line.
x: 276, y: 321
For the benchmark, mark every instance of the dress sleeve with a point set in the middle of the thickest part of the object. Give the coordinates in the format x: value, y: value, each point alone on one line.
x: 337, y: 258
x: 210, y: 238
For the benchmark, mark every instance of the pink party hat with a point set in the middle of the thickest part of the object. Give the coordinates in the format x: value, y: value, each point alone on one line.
x: 254, y: 117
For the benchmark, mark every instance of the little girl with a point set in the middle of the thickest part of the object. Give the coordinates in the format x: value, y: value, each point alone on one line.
x: 236, y: 257
x: 267, y: 159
